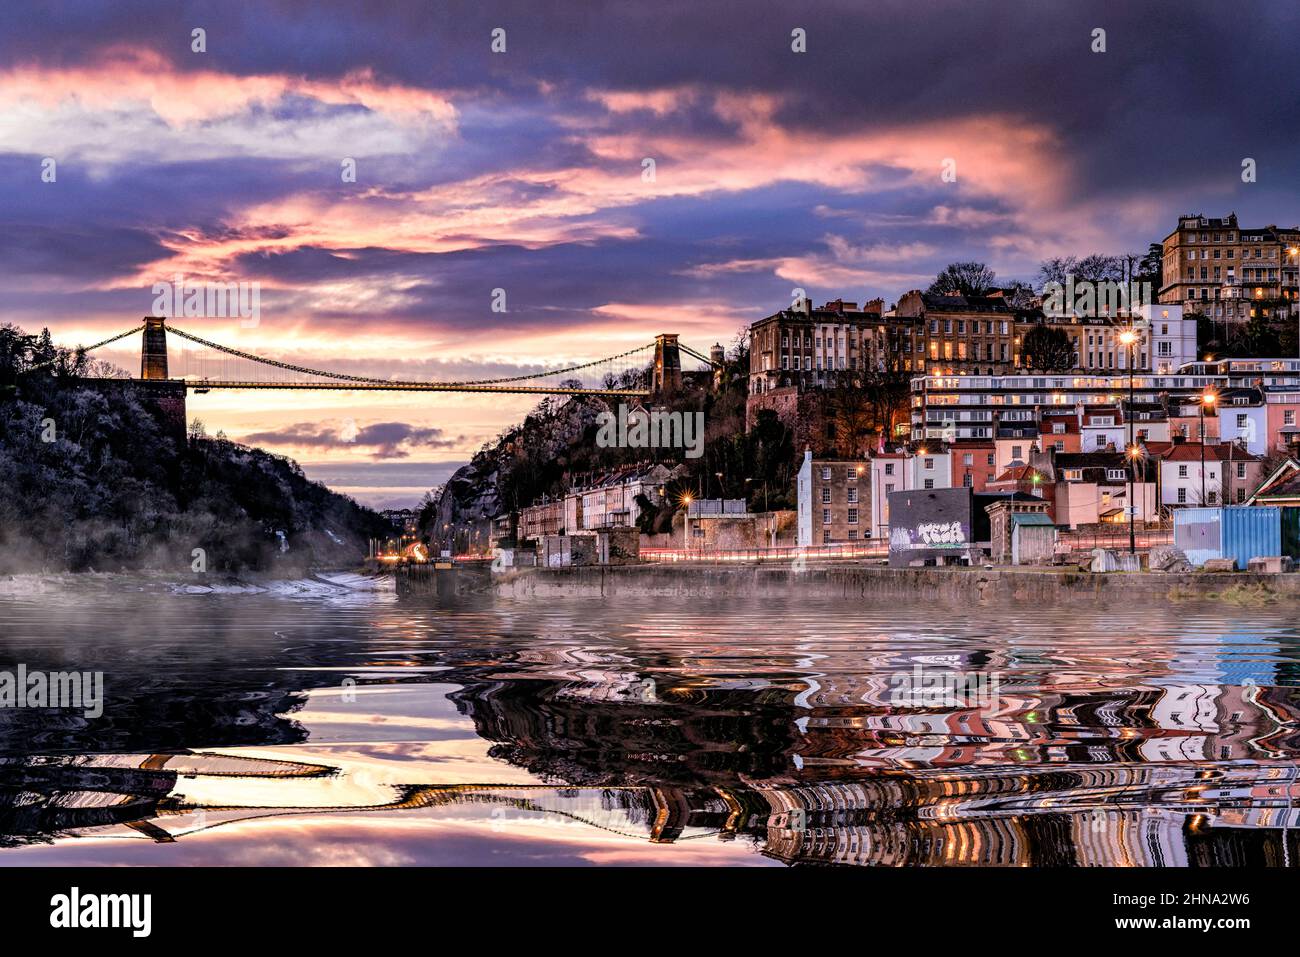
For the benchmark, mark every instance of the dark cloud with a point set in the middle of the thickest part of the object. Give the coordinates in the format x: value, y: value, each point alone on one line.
x: 1155, y: 126
x: 390, y: 440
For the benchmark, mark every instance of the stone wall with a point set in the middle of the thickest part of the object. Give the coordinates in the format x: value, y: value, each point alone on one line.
x: 1032, y: 587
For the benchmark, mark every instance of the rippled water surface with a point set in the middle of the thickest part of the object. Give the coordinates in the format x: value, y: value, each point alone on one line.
x: 357, y: 728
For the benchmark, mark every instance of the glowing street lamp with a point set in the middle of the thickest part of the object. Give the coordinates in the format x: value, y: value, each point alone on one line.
x: 1208, y: 398
x: 1127, y: 338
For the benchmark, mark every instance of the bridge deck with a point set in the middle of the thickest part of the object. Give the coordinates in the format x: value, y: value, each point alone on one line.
x: 199, y: 385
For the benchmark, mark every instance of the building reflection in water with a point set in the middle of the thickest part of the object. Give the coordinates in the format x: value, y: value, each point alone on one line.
x: 1172, y: 776
x: 1102, y: 751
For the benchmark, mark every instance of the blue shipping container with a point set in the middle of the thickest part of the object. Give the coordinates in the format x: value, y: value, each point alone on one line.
x: 1238, y: 532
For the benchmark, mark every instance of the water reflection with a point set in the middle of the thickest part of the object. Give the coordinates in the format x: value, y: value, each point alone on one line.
x: 576, y: 732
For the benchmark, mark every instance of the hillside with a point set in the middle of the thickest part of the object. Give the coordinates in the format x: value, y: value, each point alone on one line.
x: 555, y: 448
x: 94, y: 479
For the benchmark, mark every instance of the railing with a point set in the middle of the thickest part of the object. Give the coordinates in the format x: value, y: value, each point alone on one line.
x: 878, y: 548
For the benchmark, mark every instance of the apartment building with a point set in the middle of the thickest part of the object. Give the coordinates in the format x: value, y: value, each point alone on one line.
x: 1059, y: 432
x: 834, y: 501
x: 1014, y: 444
x: 1228, y: 272
x: 974, y: 463
x: 610, y: 498
x: 1231, y: 473
x: 803, y: 347
x: 974, y: 407
x: 963, y: 334
x: 1243, y: 418
x: 889, y: 473
x: 1093, y: 488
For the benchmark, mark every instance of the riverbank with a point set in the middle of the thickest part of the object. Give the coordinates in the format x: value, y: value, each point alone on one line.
x: 316, y: 584
x: 856, y: 581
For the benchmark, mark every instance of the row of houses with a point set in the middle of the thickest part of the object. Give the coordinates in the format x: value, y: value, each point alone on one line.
x: 1078, y: 461
x: 610, y: 499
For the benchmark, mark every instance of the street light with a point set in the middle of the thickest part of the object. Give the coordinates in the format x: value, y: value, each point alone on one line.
x: 1207, y: 401
x: 1127, y: 338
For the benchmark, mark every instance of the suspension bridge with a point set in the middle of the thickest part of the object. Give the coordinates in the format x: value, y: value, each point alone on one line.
x: 202, y: 365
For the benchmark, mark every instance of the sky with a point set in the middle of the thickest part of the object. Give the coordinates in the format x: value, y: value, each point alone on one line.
x: 524, y: 171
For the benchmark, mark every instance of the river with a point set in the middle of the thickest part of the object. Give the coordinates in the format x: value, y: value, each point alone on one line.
x: 343, y: 725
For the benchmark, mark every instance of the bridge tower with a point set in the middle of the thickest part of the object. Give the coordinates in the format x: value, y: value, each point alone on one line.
x: 668, y: 364
x: 153, y: 352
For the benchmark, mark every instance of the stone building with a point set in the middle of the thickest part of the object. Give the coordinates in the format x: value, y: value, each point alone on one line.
x: 834, y: 501
x: 1231, y: 273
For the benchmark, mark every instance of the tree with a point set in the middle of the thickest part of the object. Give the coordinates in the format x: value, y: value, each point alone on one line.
x: 1055, y: 270
x: 1092, y: 268
x: 964, y: 279
x: 1151, y: 267
x: 1099, y: 268
x: 1048, y: 349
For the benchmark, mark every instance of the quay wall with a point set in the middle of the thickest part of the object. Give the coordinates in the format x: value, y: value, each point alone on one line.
x: 949, y: 585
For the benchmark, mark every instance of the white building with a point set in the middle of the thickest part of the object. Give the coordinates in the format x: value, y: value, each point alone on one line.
x: 1180, y: 475
x: 1243, y: 417
x: 889, y: 473
x: 1101, y: 428
x: 929, y: 469
x: 1172, y: 338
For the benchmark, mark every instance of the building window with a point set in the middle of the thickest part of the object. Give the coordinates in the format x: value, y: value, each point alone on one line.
x: 1241, y: 494
x: 826, y: 493
x: 1182, y: 496
x: 889, y: 468
x: 1241, y: 470
x: 826, y: 473
x: 853, y: 516
x: 889, y: 487
x: 928, y: 465
x: 929, y: 483
x: 1213, y: 496
x: 968, y: 459
x: 826, y: 516
x: 1182, y: 471
x: 853, y: 534
x: 967, y: 481
x: 853, y: 495
x: 826, y: 537
x: 990, y: 458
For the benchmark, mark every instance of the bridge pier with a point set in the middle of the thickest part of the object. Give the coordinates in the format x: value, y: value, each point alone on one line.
x: 153, y: 350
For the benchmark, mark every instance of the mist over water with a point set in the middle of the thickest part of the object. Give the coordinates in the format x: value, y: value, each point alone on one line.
x: 353, y: 727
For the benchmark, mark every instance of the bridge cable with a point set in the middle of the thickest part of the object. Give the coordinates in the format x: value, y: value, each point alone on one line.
x: 373, y: 381
x: 84, y: 349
